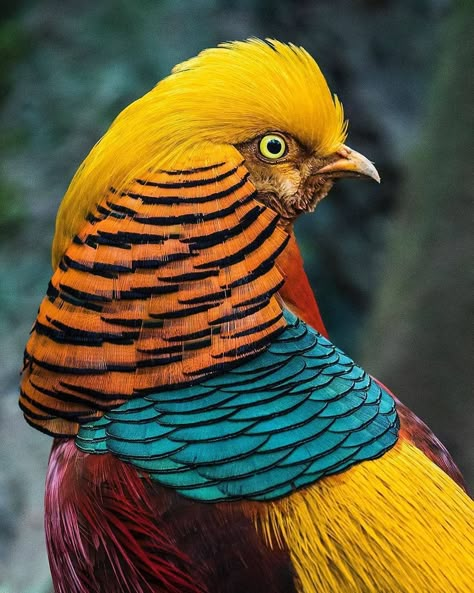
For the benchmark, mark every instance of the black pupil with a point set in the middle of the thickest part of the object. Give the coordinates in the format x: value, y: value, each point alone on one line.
x: 274, y: 146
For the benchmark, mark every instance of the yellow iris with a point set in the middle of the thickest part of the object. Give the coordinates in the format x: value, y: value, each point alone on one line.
x: 272, y: 146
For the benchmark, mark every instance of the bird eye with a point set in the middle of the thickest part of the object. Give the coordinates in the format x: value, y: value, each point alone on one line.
x: 272, y: 146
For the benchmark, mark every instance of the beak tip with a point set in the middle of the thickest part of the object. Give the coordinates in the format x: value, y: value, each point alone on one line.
x: 364, y: 167
x: 376, y: 177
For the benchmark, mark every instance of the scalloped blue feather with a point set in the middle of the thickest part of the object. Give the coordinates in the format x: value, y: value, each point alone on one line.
x: 294, y: 414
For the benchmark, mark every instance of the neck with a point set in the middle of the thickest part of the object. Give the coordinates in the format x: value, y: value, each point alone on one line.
x: 166, y: 283
x: 297, y: 292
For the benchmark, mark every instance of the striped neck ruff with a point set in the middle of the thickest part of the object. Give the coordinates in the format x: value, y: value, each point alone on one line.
x: 169, y: 281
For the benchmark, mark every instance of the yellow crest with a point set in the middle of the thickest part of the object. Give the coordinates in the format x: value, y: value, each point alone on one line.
x: 223, y: 96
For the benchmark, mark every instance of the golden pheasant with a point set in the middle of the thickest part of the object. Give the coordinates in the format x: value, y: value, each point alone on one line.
x: 208, y: 437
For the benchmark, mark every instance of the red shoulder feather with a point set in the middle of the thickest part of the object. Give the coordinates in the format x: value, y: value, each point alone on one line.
x: 111, y: 529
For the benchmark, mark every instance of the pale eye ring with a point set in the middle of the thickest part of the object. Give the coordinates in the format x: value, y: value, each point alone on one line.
x: 272, y: 146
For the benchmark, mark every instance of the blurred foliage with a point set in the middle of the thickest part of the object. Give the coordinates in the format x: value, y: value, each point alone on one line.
x: 12, y: 213
x: 67, y: 67
x: 426, y: 291
x: 14, y: 46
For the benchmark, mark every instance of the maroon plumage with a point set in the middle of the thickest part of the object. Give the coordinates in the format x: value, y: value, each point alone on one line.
x: 107, y: 524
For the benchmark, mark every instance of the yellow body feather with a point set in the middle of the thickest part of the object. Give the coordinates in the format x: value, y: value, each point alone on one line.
x: 196, y: 115
x: 397, y: 524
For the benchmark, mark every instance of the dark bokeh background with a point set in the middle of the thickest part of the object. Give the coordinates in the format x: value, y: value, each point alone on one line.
x: 389, y: 263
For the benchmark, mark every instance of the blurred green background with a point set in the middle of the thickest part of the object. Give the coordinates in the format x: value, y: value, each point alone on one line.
x: 390, y: 264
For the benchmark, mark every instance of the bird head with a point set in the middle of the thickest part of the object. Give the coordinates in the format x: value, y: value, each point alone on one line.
x: 264, y: 102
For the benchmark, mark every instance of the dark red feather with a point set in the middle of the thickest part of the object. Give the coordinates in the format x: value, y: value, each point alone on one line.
x: 110, y: 529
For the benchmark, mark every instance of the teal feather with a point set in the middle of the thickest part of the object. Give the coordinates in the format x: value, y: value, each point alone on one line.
x: 301, y: 433
x: 251, y: 486
x: 225, y: 450
x: 186, y: 479
x: 339, y: 457
x: 211, y: 432
x: 141, y: 449
x: 197, y: 418
x: 243, y: 467
x: 320, y: 446
x: 298, y: 412
x: 187, y: 405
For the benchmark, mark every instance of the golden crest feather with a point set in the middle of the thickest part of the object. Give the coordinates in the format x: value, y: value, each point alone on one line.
x: 223, y: 96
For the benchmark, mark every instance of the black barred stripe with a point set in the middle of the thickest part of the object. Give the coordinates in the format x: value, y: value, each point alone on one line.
x: 183, y: 312
x: 218, y: 237
x: 68, y: 415
x: 92, y: 218
x: 121, y: 209
x: 123, y: 322
x: 26, y: 358
x: 191, y: 171
x: 94, y: 240
x: 195, y: 217
x: 128, y: 335
x: 155, y: 362
x: 102, y: 210
x: 195, y: 335
x: 94, y: 393
x: 239, y: 255
x: 191, y: 345
x: 220, y: 366
x: 43, y: 429
x: 83, y: 338
x: 122, y: 237
x: 159, y: 262
x: 95, y: 270
x: 145, y: 292
x: 265, y: 296
x: 80, y: 303
x: 163, y: 350
x: 65, y: 396
x: 111, y: 368
x: 34, y: 403
x: 252, y: 347
x: 80, y: 295
x: 190, y: 276
x: 196, y: 345
x: 56, y: 368
x: 257, y: 328
x: 195, y: 377
x: 101, y: 268
x: 189, y: 182
x: 237, y: 314
x: 219, y: 295
x: 133, y: 322
x: 175, y: 200
x: 52, y: 292
x: 153, y: 324
x: 263, y: 268
x: 112, y: 211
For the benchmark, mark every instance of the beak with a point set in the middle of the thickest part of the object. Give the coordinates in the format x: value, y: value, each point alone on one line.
x: 349, y: 163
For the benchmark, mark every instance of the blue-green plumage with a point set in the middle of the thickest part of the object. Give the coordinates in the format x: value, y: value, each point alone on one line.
x: 280, y: 421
